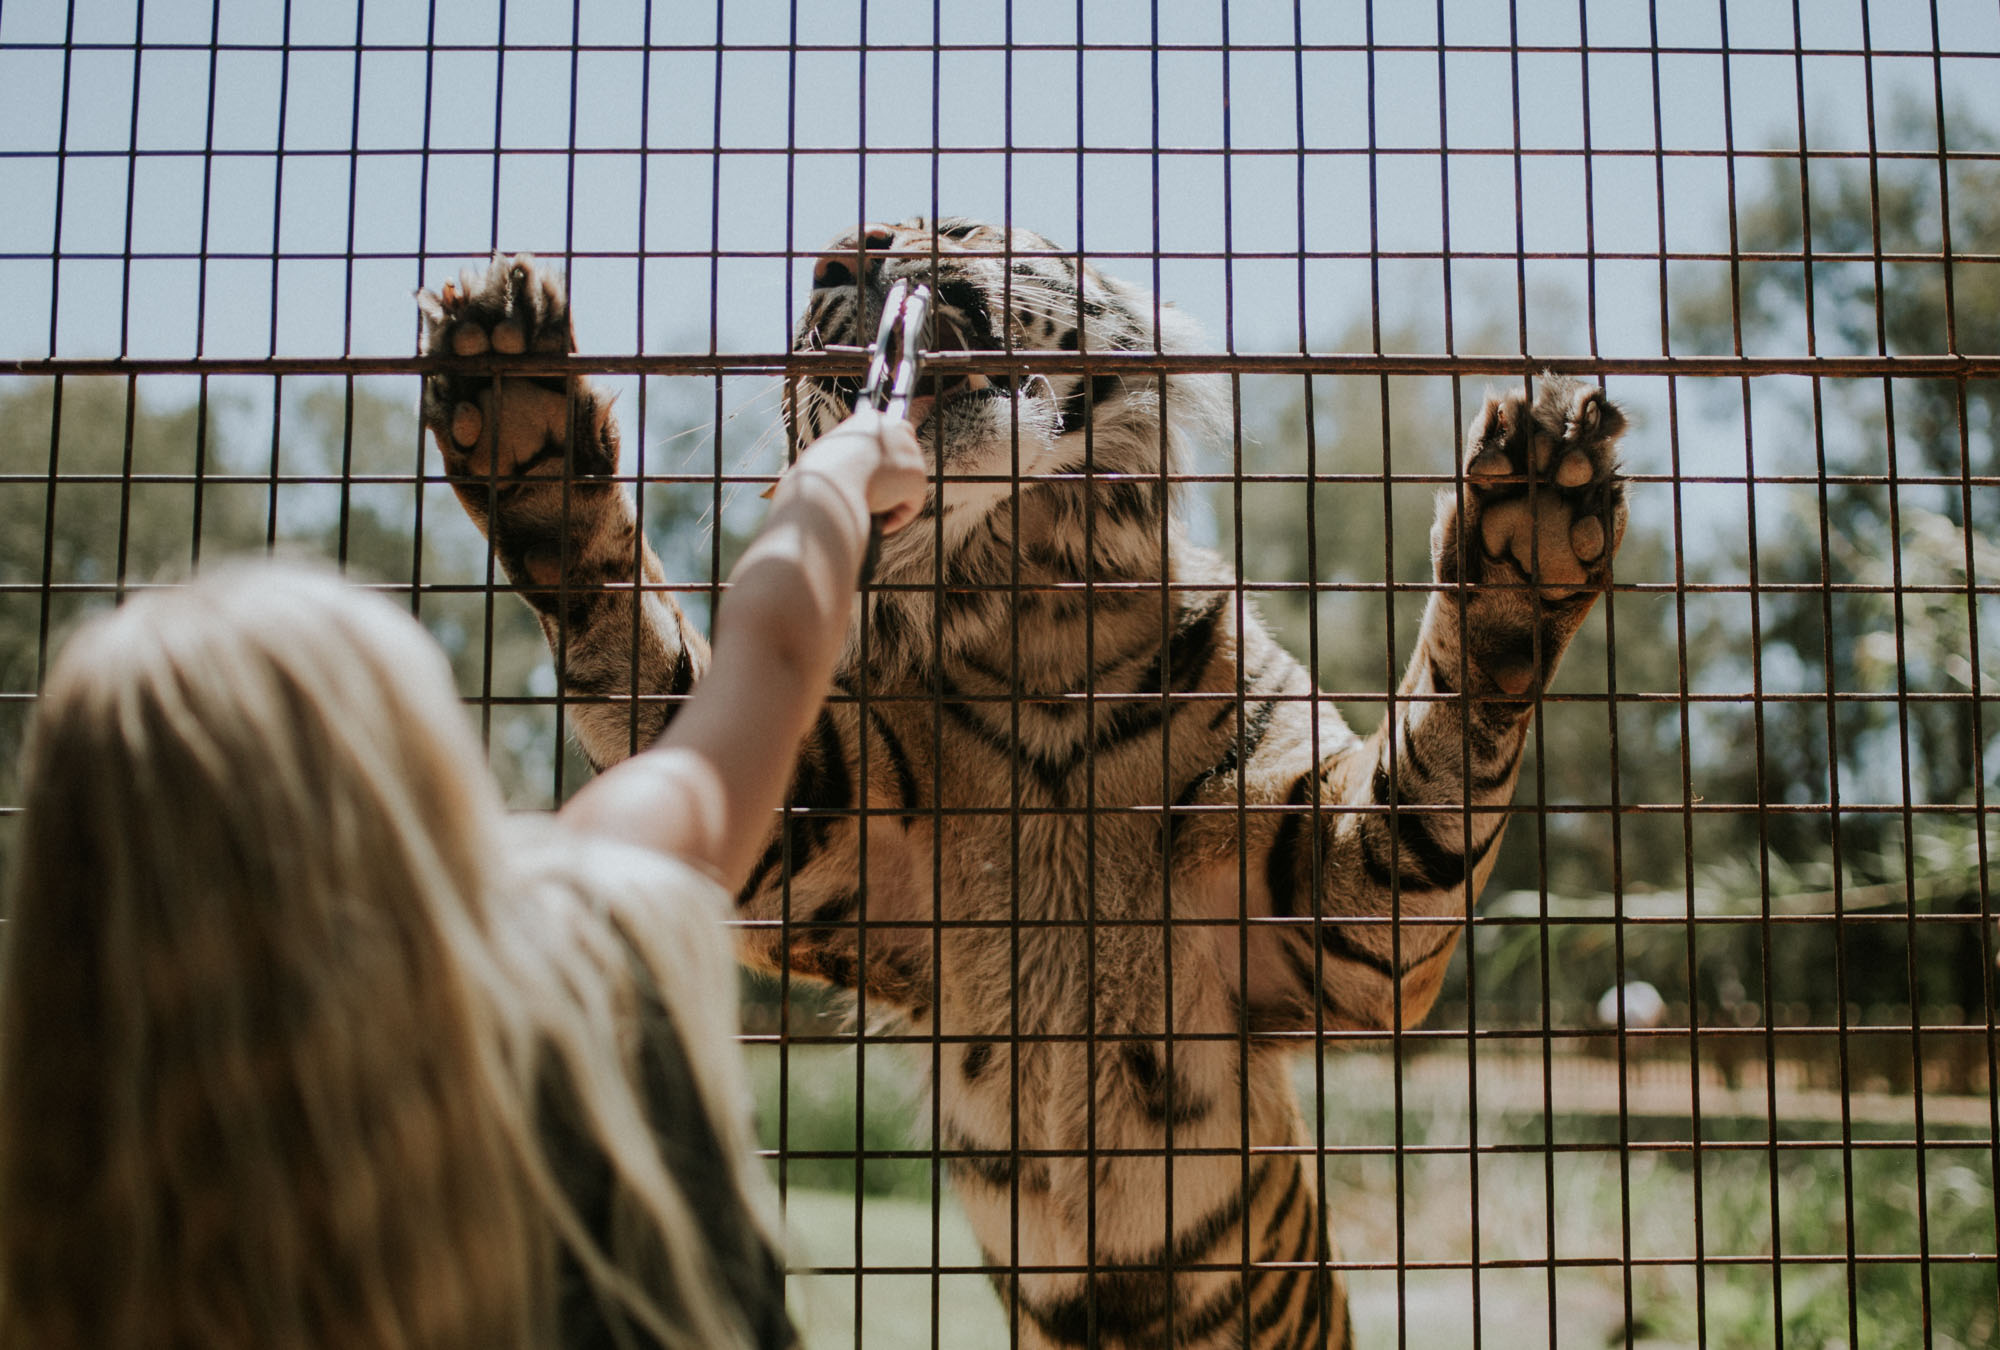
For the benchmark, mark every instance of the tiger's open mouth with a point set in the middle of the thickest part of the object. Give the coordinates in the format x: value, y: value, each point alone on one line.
x: 939, y: 392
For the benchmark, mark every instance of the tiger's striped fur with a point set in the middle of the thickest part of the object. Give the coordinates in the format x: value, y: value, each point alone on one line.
x: 1063, y: 706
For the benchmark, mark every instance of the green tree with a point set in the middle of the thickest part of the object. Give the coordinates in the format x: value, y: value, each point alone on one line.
x: 1875, y: 564
x: 1868, y: 237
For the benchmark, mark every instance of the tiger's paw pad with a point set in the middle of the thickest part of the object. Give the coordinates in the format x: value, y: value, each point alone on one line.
x: 1543, y: 498
x: 506, y: 426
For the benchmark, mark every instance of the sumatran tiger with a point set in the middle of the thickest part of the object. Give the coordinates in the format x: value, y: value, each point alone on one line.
x: 1071, y: 811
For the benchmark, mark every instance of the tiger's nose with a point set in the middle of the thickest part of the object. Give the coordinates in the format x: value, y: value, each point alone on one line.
x: 837, y: 268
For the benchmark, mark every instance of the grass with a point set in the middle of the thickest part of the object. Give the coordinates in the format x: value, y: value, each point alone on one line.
x: 1623, y: 1225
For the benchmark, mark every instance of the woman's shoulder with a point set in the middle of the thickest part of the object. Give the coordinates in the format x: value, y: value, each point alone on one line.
x: 606, y: 874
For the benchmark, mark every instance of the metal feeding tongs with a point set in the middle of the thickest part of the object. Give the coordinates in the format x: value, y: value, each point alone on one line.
x: 894, y: 362
x: 897, y: 357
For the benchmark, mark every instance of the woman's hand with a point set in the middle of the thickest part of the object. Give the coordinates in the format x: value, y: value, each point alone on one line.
x: 876, y: 461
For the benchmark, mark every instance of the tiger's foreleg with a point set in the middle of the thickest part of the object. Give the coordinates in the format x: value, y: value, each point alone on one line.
x: 534, y: 460
x: 1401, y: 829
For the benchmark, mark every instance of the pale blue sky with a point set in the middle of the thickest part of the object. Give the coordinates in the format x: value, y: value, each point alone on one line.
x: 291, y: 200
x: 319, y: 153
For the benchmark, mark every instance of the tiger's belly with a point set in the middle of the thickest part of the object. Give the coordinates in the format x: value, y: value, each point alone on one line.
x: 1082, y: 1135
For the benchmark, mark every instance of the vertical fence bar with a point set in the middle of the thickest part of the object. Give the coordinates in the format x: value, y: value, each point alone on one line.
x: 419, y: 475
x: 1903, y: 730
x: 1321, y: 1253
x: 1684, y: 722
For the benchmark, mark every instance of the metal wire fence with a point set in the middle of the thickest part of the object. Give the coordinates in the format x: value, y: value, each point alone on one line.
x: 1715, y: 1063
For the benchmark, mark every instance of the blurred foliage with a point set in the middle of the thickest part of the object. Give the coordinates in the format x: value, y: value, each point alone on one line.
x: 1869, y: 435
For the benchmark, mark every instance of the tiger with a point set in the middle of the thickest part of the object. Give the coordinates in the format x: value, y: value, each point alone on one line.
x: 1071, y: 814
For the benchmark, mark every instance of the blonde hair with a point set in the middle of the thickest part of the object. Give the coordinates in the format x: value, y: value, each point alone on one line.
x: 276, y: 1025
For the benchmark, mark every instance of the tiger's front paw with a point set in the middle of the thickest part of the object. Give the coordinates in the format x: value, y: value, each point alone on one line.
x: 510, y: 427
x: 1543, y: 515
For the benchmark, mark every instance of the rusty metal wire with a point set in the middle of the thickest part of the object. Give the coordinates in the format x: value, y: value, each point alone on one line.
x: 1838, y: 405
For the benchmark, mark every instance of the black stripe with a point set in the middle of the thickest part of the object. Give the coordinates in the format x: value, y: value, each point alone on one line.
x: 1274, y: 1308
x: 1189, y: 648
x: 1053, y: 775
x: 1123, y: 724
x: 1379, y: 871
x: 899, y: 760
x: 1332, y: 942
x: 1443, y: 865
x: 1315, y: 1307
x: 1240, y: 751
x: 994, y: 1164
x: 1126, y: 502
x: 1319, y: 1293
x: 966, y: 298
x: 830, y: 769
x: 1492, y: 722
x: 1254, y: 727
x: 1162, y: 1096
x: 1302, y: 1250
x: 552, y: 451
x: 1380, y: 788
x: 1130, y: 1305
x: 1289, y: 1198
x: 994, y: 1169
x: 773, y: 851
x: 836, y: 910
x: 973, y: 662
x: 1068, y: 1320
x: 1201, y: 1323
x: 1253, y: 683
x: 952, y: 700
x: 680, y: 681
x: 967, y: 606
x: 1195, y: 1240
x: 887, y: 630
x: 1412, y: 755
x: 1336, y: 942
x: 1128, y: 721
x: 1501, y: 771
x: 1311, y: 991
x: 1419, y: 862
x: 822, y: 784
x: 1281, y: 868
x: 1477, y: 777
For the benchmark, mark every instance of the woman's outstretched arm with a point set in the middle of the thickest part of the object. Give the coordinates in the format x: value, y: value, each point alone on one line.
x: 705, y: 792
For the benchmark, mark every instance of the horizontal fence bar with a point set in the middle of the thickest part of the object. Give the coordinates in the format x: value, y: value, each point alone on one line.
x: 890, y: 47
x: 1028, y: 362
